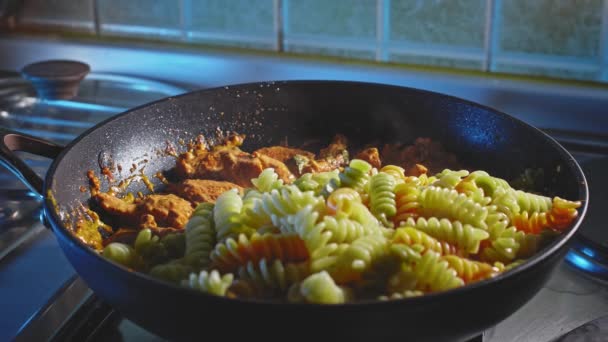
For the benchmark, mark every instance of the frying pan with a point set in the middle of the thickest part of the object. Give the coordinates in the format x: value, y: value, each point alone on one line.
x: 481, y: 137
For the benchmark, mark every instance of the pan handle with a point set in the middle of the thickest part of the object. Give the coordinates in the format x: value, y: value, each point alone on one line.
x: 11, y: 141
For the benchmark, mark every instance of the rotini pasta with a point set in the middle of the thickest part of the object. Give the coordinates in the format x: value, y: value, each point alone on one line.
x: 173, y: 271
x: 200, y: 236
x: 230, y: 255
x: 209, y: 282
x: 464, y: 236
x: 358, y: 258
x: 355, y: 232
x: 406, y: 200
x: 267, y: 276
x: 122, y: 254
x: 226, y: 216
x: 470, y: 270
x: 267, y: 180
x: 356, y: 175
x: 434, y: 274
x: 397, y: 172
x: 448, y: 203
x: 322, y: 183
x: 411, y: 236
x: 149, y: 248
x: 382, y: 197
x: 320, y: 288
x: 449, y: 178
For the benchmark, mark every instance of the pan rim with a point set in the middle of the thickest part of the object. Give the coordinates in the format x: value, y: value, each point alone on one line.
x: 59, y: 228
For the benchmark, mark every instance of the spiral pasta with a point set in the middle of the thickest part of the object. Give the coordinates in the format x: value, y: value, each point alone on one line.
x: 532, y: 203
x: 226, y: 215
x: 356, y: 174
x: 209, y: 282
x: 473, y: 191
x: 322, y: 183
x: 122, y: 254
x: 488, y: 183
x: 338, y: 201
x: 288, y: 201
x: 464, y: 236
x: 434, y: 274
x: 470, y: 270
x: 173, y: 271
x: 382, y: 197
x: 267, y: 276
x: 355, y: 233
x: 149, y: 248
x: 496, y: 221
x: 449, y: 178
x: 448, y: 203
x: 358, y: 258
x: 175, y: 244
x: 561, y: 216
x: 229, y: 255
x: 344, y: 229
x: 411, y: 236
x: 397, y: 172
x: 513, y: 243
x: 255, y: 220
x: 267, y: 180
x: 200, y: 236
x: 320, y: 288
x: 406, y: 201
x: 304, y: 224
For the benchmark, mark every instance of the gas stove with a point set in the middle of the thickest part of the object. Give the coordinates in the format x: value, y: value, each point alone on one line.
x: 48, y: 301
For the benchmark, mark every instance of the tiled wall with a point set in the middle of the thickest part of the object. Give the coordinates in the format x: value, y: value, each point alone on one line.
x: 556, y: 38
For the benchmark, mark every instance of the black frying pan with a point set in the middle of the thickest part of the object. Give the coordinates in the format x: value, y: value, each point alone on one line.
x: 268, y: 112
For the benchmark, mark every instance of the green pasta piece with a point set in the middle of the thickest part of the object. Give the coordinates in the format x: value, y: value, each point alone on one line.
x: 175, y: 244
x: 122, y: 254
x: 449, y: 178
x: 200, y: 236
x: 209, y: 282
x: 382, y: 197
x: 320, y: 288
x: 288, y: 200
x: 270, y: 277
x: 359, y: 257
x: 227, y: 216
x: 434, y: 274
x: 344, y: 229
x: 173, y: 271
x: 267, y: 180
x: 356, y: 175
x: 448, y: 203
x: 488, y: 183
x: 464, y: 236
x: 322, y: 183
x: 149, y: 248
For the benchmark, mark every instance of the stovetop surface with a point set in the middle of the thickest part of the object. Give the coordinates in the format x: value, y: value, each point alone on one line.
x: 41, y: 289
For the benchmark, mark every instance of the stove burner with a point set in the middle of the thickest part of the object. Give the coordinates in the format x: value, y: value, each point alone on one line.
x: 590, y: 250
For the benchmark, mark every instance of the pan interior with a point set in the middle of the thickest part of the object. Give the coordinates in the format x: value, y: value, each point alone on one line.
x: 296, y: 112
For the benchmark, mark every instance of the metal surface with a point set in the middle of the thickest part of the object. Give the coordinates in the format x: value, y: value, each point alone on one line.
x: 102, y: 95
x: 59, y: 310
x: 568, y: 300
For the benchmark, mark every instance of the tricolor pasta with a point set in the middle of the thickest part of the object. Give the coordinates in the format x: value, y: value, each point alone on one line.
x: 356, y: 232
